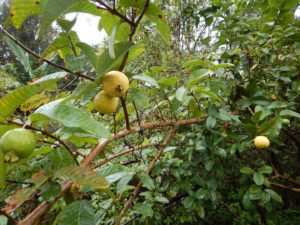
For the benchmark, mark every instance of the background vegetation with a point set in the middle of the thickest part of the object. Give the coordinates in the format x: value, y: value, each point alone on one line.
x: 206, y: 77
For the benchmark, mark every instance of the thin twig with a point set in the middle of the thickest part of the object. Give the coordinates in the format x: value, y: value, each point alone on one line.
x: 126, y: 151
x: 24, y: 47
x: 115, y: 12
x: 19, y: 182
x: 285, y: 187
x: 152, y: 164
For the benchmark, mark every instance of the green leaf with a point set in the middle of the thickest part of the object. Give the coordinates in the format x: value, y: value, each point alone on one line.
x: 144, y: 209
x: 82, y: 177
x: 210, y: 122
x: 53, y: 9
x: 139, y: 97
x: 209, y: 164
x: 288, y: 112
x: 147, y: 181
x: 149, y: 80
x: 10, y: 102
x: 50, y: 191
x: 197, y: 76
x: 124, y: 182
x: 258, y: 178
x: 79, y: 213
x: 106, y: 63
x: 70, y: 116
x: 90, y: 52
x: 271, y: 127
x: 20, y: 54
x: 180, y: 93
x: 274, y: 195
x: 188, y: 202
x: 161, y: 199
x: 108, y: 22
x: 246, y: 170
x: 157, y: 16
x: 22, y: 9
x: 66, y: 24
x: 220, y: 66
x: 265, y: 169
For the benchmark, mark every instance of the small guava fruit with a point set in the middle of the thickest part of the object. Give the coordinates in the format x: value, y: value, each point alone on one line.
x: 261, y: 142
x: 104, y: 103
x: 286, y: 122
x: 115, y: 83
x: 18, y: 142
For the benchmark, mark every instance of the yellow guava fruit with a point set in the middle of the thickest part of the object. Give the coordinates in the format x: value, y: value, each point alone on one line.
x: 261, y: 142
x: 115, y: 83
x: 104, y: 103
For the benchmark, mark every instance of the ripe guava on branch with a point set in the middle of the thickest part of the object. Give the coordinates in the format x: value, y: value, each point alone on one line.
x: 115, y: 84
x: 104, y: 103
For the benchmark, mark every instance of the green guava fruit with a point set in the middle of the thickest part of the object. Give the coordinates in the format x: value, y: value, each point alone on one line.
x: 19, y: 142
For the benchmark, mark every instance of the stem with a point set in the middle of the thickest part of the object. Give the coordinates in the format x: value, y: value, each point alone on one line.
x: 123, y: 102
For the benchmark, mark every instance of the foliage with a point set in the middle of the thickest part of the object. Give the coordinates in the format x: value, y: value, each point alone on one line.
x: 218, y: 72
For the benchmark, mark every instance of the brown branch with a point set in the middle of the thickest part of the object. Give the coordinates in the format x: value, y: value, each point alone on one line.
x: 285, y: 187
x: 126, y: 151
x: 123, y: 102
x: 152, y: 164
x: 152, y: 125
x: 115, y: 12
x: 285, y: 178
x: 137, y: 113
x: 25, y: 48
x: 45, y: 206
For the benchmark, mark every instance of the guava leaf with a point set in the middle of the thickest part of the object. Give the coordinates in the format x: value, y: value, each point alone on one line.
x: 20, y: 10
x: 70, y: 116
x: 10, y: 102
x: 83, y: 176
x: 78, y: 212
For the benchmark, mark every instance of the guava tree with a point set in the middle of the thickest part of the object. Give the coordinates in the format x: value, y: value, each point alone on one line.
x: 205, y: 79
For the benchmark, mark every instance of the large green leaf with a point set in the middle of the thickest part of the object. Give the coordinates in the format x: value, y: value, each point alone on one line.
x: 10, y: 102
x: 157, y: 16
x: 78, y: 213
x: 70, y: 116
x: 271, y: 127
x: 53, y: 9
x: 83, y: 176
x: 22, y: 9
x: 20, y: 54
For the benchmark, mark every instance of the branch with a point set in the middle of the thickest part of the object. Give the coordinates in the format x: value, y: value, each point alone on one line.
x: 25, y: 48
x: 123, y: 102
x: 285, y: 187
x: 115, y: 12
x: 45, y: 206
x: 126, y: 151
x: 138, y: 187
x: 152, y: 125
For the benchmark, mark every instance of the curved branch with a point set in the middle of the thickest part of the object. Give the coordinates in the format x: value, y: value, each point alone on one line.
x: 152, y: 164
x: 25, y: 48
